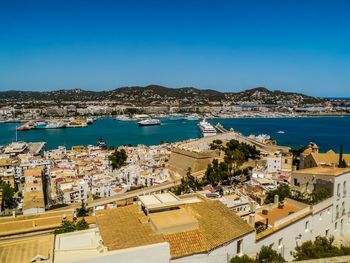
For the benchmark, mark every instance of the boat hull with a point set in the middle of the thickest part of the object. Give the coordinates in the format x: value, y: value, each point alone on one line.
x: 149, y: 124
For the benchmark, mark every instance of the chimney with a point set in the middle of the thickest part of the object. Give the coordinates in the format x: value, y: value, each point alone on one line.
x: 340, y: 156
x: 252, y: 207
x: 276, y: 199
x: 251, y: 220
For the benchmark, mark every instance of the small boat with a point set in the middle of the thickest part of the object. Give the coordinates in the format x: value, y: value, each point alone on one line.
x: 281, y: 132
x: 101, y: 143
x: 149, y: 122
x: 23, y: 128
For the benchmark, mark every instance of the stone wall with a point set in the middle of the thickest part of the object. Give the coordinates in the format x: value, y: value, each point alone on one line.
x: 344, y: 259
x: 180, y: 160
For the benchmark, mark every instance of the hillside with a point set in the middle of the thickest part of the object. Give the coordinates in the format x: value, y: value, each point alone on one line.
x: 155, y: 95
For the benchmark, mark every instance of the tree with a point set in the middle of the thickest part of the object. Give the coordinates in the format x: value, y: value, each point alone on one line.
x: 66, y: 227
x: 188, y: 184
x: 342, y: 163
x: 82, y: 211
x: 322, y: 247
x: 268, y: 255
x: 319, y: 195
x: 242, y: 259
x: 7, y: 194
x: 296, y: 154
x: 81, y: 225
x: 234, y: 160
x: 118, y: 158
x: 283, y: 191
x: 216, y: 144
x: 70, y: 226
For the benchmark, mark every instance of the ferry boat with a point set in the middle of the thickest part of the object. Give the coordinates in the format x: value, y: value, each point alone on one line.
x: 50, y: 125
x: 175, y: 116
x: 192, y: 117
x: 55, y: 125
x: 206, y: 128
x: 149, y: 122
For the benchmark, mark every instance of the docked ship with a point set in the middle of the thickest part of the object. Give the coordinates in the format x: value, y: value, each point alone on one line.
x: 192, y: 117
x: 175, y: 116
x: 50, y: 125
x: 149, y: 122
x: 206, y: 128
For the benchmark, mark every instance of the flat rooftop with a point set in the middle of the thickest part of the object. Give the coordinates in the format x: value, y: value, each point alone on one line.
x: 160, y: 201
x: 27, y: 249
x: 173, y: 221
x: 275, y: 213
x: 30, y: 223
x: 327, y: 171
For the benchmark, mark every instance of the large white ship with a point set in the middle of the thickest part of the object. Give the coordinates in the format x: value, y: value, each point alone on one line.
x: 149, y: 122
x: 50, y: 125
x: 206, y: 128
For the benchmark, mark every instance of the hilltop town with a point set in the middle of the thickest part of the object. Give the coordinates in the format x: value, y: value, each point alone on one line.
x: 214, y: 198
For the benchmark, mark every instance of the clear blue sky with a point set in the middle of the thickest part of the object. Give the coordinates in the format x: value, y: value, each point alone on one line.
x: 231, y: 45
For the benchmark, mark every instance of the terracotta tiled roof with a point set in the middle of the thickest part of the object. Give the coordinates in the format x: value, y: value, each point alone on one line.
x: 329, y: 158
x: 26, y: 249
x: 127, y: 227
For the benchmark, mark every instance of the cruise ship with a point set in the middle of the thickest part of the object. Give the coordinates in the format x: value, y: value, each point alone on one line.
x: 149, y: 122
x: 206, y: 128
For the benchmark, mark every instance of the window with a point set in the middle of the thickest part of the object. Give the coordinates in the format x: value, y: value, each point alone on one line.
x: 327, y: 232
x: 239, y: 246
x: 337, y: 211
x: 335, y: 226
x: 306, y: 226
x: 271, y: 245
x: 344, y: 188
x: 285, y: 161
x: 338, y: 190
x: 295, y: 181
x: 280, y: 242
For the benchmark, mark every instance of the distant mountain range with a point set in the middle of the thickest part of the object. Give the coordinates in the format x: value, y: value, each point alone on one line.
x: 159, y: 95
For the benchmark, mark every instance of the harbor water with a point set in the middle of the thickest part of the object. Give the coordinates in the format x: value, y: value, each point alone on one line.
x: 327, y: 132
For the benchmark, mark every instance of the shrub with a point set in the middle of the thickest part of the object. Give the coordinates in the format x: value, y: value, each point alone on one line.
x: 242, y: 259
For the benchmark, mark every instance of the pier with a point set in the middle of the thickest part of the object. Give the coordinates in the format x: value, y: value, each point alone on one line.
x: 220, y: 128
x: 259, y: 145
